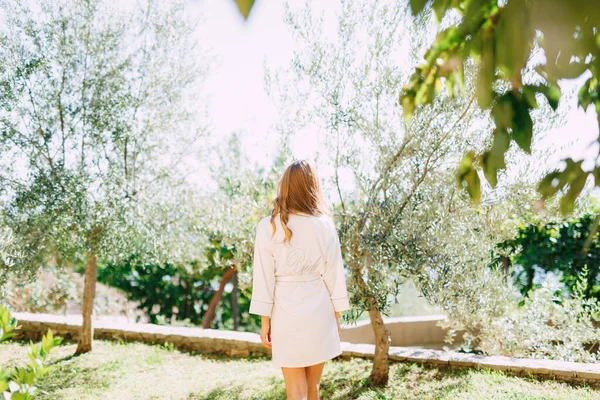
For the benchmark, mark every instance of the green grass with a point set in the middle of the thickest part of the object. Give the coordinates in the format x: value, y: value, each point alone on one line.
x: 116, y: 370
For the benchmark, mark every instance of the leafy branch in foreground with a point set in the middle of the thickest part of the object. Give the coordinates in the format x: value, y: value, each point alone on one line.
x: 244, y: 7
x: 18, y: 383
x: 503, y: 38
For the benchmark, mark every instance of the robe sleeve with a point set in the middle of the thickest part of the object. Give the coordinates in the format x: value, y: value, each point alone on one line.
x: 334, y: 271
x: 263, y: 275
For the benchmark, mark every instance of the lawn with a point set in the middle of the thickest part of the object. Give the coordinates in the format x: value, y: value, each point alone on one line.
x: 116, y: 370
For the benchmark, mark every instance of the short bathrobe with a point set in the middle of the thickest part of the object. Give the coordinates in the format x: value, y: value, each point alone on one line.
x: 299, y: 285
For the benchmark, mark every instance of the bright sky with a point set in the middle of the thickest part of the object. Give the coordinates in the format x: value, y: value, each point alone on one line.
x: 239, y: 102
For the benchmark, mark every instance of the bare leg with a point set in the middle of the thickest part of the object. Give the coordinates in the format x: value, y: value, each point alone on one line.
x: 313, y: 379
x: 295, y: 383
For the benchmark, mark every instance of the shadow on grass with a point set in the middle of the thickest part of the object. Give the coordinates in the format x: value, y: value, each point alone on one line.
x: 225, y: 358
x: 346, y: 381
x: 64, y: 359
x: 272, y: 389
x: 65, y: 374
x: 405, y: 382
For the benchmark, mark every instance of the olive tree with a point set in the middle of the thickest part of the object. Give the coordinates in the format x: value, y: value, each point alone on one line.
x: 351, y: 75
x: 392, y: 202
x: 94, y: 112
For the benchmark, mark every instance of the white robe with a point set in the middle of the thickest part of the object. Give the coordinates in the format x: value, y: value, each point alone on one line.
x: 300, y: 285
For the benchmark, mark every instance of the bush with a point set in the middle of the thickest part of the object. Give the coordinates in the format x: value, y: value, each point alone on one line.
x: 548, y: 325
x: 557, y: 249
x: 49, y: 291
x: 543, y: 325
x: 176, y: 294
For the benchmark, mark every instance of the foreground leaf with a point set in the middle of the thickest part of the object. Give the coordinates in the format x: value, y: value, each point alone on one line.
x: 244, y: 6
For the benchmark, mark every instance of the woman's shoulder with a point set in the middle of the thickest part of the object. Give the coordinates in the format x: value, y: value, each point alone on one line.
x: 263, y: 229
x: 324, y: 220
x: 264, y: 223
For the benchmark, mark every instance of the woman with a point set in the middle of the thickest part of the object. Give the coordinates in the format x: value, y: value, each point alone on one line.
x: 299, y: 283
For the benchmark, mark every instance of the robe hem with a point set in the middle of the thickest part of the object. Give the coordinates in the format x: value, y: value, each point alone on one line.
x: 308, y: 365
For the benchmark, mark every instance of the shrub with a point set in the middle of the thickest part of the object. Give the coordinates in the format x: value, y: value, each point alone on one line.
x: 555, y: 248
x: 548, y: 325
x: 175, y: 293
x: 49, y: 291
x: 543, y: 325
x: 18, y: 383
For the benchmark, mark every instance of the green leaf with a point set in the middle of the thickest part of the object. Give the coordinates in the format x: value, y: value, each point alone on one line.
x: 576, y: 185
x: 485, y: 77
x: 407, y: 101
x: 573, y: 175
x: 47, y: 342
x: 489, y: 168
x: 551, y: 184
x: 245, y: 6
x: 522, y: 127
x: 467, y: 177
x: 460, y: 76
x: 503, y: 111
x: 19, y: 396
x: 426, y: 91
x: 416, y: 6
x: 573, y: 70
x: 596, y: 174
x: 584, y: 97
x: 552, y: 93
x: 4, y: 316
x: 474, y: 186
x: 589, y: 93
x: 513, y: 40
x: 8, y: 336
x: 3, y: 385
x: 450, y: 85
x: 493, y: 160
x: 529, y: 95
x: 439, y: 8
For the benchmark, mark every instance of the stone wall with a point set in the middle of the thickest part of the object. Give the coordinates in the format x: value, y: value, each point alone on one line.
x: 236, y: 344
x: 243, y: 344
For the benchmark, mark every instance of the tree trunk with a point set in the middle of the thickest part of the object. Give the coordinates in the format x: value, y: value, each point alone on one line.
x: 86, y: 334
x: 185, y: 309
x: 505, y: 266
x: 380, y: 373
x: 530, y: 276
x: 235, y: 304
x: 214, y: 302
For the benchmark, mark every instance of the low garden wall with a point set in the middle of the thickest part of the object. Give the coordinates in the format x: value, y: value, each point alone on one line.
x: 243, y: 344
x: 235, y: 344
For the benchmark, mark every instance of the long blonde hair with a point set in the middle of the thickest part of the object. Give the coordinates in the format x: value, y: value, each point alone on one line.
x: 299, y: 190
